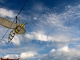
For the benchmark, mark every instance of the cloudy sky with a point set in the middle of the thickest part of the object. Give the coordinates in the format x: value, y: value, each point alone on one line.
x: 52, y: 32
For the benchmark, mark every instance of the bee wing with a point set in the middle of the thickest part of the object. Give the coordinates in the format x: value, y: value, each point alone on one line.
x: 22, y: 31
x: 7, y: 23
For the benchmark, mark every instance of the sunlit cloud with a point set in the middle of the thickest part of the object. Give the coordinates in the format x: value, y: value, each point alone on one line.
x: 16, y: 40
x: 6, y: 13
x: 28, y: 54
x: 11, y: 56
x: 63, y: 53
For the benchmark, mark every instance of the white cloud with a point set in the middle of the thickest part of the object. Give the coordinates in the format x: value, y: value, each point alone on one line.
x: 37, y: 36
x: 16, y: 40
x: 65, y: 48
x: 29, y: 54
x: 63, y: 53
x: 5, y: 12
x: 53, y: 50
x: 11, y: 56
x: 58, y: 37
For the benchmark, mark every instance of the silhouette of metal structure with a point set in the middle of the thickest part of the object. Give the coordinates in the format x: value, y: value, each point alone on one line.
x: 9, y: 59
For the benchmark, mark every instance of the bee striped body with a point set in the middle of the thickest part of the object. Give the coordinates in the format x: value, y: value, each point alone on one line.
x: 18, y: 30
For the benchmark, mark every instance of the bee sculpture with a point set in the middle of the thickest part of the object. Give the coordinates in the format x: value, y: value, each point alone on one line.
x: 17, y: 28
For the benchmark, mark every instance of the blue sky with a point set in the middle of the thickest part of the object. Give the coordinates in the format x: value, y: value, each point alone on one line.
x: 52, y: 32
